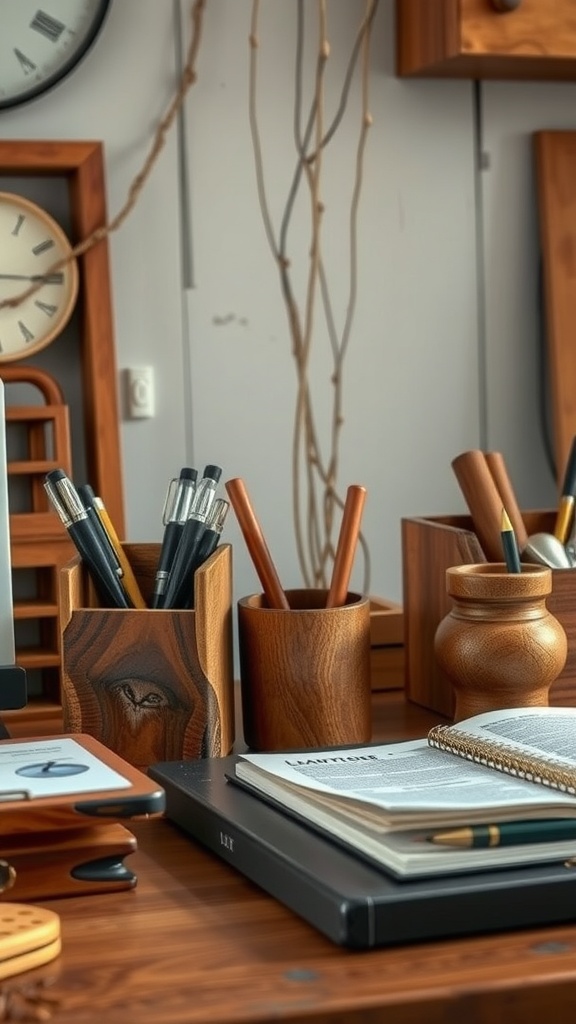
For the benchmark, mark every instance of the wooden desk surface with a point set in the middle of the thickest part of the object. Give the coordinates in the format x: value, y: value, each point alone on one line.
x: 196, y: 942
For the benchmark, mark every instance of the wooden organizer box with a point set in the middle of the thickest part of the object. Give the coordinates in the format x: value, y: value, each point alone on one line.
x: 386, y: 645
x: 152, y: 685
x: 429, y: 547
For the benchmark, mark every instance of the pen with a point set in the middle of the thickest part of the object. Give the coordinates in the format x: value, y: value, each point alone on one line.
x: 86, y: 495
x: 510, y: 833
x: 212, y: 533
x: 256, y: 544
x: 210, y: 537
x: 346, y: 546
x: 129, y: 581
x: 567, y: 497
x: 180, y: 581
x: 176, y: 511
x: 509, y: 545
x: 66, y: 502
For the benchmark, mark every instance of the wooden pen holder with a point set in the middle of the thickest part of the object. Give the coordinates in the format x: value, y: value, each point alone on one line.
x: 151, y: 684
x: 305, y: 671
x: 432, y: 545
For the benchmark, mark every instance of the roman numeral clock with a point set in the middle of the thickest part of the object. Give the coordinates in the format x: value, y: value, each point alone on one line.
x: 57, y: 352
x: 41, y: 46
x: 31, y: 243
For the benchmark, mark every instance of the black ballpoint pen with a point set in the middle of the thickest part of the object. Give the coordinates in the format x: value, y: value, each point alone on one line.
x: 177, y: 508
x: 86, y: 495
x: 210, y: 538
x: 180, y: 581
x: 66, y: 502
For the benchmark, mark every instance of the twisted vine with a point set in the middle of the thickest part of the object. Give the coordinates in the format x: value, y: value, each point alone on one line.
x: 314, y: 510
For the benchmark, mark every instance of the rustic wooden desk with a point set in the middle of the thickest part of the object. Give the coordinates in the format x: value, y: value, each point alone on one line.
x: 196, y: 942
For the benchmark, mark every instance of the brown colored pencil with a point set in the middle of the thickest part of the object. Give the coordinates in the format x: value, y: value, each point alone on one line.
x: 256, y: 544
x: 346, y: 546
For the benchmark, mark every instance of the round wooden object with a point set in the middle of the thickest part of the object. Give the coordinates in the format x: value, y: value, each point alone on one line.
x: 499, y: 645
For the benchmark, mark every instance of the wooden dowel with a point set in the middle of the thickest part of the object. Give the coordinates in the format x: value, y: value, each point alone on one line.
x: 499, y: 472
x: 346, y: 546
x: 483, y: 500
x: 256, y: 544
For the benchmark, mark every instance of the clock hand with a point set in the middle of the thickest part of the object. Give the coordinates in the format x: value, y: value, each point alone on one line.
x: 23, y: 277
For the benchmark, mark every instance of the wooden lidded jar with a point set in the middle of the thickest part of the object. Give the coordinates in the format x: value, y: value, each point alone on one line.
x: 499, y: 645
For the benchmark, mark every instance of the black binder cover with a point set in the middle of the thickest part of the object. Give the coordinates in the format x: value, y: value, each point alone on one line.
x: 344, y: 897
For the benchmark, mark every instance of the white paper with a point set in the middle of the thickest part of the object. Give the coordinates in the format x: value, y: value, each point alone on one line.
x: 410, y: 776
x: 53, y: 768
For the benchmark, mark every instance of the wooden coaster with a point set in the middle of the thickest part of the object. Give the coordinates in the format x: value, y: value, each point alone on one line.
x: 29, y: 937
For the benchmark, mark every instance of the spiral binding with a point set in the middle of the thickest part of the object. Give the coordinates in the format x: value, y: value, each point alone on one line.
x: 541, y: 769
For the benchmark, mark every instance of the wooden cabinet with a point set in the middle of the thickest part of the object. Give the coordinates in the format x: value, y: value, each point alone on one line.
x: 518, y: 39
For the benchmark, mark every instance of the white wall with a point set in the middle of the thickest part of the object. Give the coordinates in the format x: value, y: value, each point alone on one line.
x: 447, y: 270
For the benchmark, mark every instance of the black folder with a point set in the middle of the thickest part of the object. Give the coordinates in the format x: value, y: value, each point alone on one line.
x: 347, y: 899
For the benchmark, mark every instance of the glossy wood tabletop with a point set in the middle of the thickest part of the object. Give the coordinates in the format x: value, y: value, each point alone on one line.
x: 196, y: 942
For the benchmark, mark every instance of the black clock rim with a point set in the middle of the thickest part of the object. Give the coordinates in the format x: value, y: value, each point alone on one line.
x: 73, y: 61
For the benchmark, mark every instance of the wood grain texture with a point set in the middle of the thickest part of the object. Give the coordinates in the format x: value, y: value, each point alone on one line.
x: 471, y: 39
x: 499, y: 645
x: 305, y: 672
x: 429, y: 547
x: 47, y: 867
x: 556, y: 182
x: 196, y: 942
x: 483, y: 499
x: 499, y: 472
x: 152, y: 685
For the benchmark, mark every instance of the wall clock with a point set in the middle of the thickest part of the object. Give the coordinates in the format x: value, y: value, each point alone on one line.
x: 31, y: 242
x: 41, y: 46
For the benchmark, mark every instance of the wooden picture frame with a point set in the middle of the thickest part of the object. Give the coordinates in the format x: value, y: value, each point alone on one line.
x: 81, y: 163
x: 555, y: 153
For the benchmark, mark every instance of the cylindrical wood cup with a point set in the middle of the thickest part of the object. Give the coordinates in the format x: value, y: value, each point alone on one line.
x: 305, y: 671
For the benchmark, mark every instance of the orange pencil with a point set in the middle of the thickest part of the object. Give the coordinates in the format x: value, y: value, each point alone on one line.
x: 257, y: 547
x: 346, y: 547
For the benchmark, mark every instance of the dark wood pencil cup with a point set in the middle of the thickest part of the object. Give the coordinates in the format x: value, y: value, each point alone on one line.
x: 152, y: 685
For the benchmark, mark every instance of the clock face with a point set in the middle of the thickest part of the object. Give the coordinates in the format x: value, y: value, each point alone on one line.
x: 31, y: 242
x: 41, y: 45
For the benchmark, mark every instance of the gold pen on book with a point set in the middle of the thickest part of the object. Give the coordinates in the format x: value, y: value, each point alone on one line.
x: 129, y: 581
x: 509, y: 833
x: 509, y: 544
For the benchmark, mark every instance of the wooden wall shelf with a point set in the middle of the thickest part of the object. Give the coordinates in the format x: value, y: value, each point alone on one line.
x: 473, y: 39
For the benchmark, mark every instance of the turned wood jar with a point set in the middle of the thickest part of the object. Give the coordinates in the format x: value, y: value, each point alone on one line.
x: 499, y: 645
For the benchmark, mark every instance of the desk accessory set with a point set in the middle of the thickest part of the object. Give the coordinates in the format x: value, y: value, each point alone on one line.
x: 432, y: 545
x: 108, y: 691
